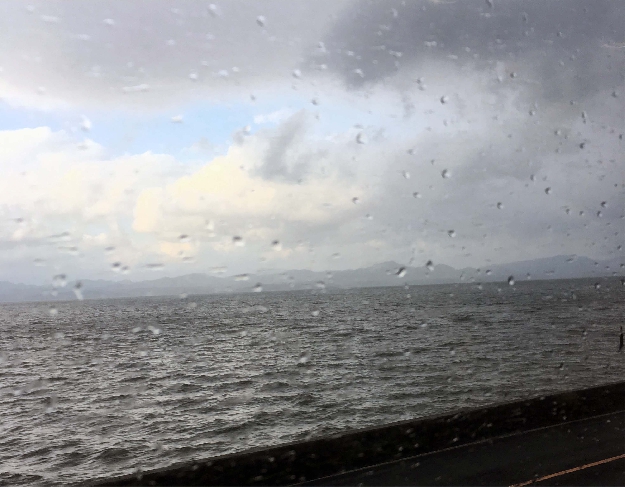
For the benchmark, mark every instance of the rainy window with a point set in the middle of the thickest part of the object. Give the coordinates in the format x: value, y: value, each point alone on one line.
x: 236, y: 225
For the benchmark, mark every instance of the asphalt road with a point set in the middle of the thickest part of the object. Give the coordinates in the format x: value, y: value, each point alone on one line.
x: 586, y: 452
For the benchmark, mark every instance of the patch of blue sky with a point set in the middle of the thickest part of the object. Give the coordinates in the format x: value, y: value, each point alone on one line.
x: 204, y: 123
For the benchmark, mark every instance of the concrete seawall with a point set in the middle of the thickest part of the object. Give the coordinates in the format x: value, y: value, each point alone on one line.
x: 302, y: 461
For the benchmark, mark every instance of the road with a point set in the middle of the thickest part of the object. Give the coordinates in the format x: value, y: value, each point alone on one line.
x: 586, y: 452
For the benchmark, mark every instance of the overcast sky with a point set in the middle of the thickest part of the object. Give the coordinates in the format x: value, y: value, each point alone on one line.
x: 165, y: 138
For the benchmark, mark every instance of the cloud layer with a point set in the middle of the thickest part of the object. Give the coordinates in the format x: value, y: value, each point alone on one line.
x: 455, y: 132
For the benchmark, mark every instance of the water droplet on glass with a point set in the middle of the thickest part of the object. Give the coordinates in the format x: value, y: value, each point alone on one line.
x: 597, y: 286
x: 499, y: 206
x: 85, y: 124
x: 444, y: 99
x: 406, y: 174
x: 511, y: 280
x: 297, y: 73
x: 184, y: 238
x: 176, y: 119
x: 276, y: 245
x: 260, y: 20
x: 51, y: 403
x: 78, y: 291
x: 604, y: 204
x: 401, y: 272
x: 416, y: 194
x: 60, y: 280
x: 446, y: 174
x: 53, y: 311
x: 315, y: 313
x: 361, y: 138
x: 155, y: 330
x: 355, y: 200
x: 193, y: 76
x: 213, y: 10
x: 110, y: 22
x: 136, y: 329
x: 320, y: 285
x: 430, y: 265
x: 451, y: 233
x: 548, y: 190
x: 599, y: 214
x: 561, y: 366
x: 488, y: 272
x: 238, y: 241
x: 304, y: 358
x: 258, y: 288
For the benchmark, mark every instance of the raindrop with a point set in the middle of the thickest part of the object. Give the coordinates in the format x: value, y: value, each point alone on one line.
x: 184, y: 296
x: 155, y: 330
x: 446, y: 174
x: 315, y: 313
x: 213, y: 10
x: 53, y: 311
x: 51, y: 403
x: 238, y: 241
x: 511, y: 280
x: 297, y: 73
x: 258, y: 288
x: 321, y: 285
x: 60, y: 280
x: 532, y: 177
x: 499, y: 205
x: 599, y: 214
x: 304, y: 358
x: 360, y: 138
x: 488, y: 272
x: 276, y: 245
x: 155, y: 267
x: 184, y: 238
x: 597, y: 286
x: 242, y: 277
x: 193, y: 76
x: 110, y: 22
x: 260, y: 20
x: 359, y: 72
x: 430, y: 265
x: 604, y: 204
x: 561, y: 366
x: 416, y: 194
x: 136, y: 329
x: 176, y: 119
x: 444, y: 99
x: 401, y: 272
x: 78, y: 291
x: 355, y: 200
x: 406, y: 174
x: 548, y: 190
x: 451, y: 233
x: 314, y: 101
x: 85, y: 124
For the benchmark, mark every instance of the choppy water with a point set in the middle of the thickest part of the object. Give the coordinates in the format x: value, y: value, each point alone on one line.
x: 87, y: 394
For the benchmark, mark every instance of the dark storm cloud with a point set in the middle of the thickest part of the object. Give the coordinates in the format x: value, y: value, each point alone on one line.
x: 564, y: 41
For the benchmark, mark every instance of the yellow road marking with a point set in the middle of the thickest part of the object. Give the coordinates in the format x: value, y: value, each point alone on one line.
x: 570, y: 470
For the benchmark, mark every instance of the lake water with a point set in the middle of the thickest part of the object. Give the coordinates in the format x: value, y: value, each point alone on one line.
x: 103, y: 388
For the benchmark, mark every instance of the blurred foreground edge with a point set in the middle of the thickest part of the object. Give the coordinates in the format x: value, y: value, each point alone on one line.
x: 321, y: 458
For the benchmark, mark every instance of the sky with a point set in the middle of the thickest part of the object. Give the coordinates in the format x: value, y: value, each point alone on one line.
x: 157, y: 138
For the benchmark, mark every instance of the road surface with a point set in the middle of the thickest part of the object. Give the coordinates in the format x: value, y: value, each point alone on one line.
x: 585, y: 452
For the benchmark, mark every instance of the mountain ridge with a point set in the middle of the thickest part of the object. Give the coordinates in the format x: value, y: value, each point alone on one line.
x: 387, y: 273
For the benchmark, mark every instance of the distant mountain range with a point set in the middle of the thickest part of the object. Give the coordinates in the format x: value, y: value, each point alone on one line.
x: 384, y: 274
